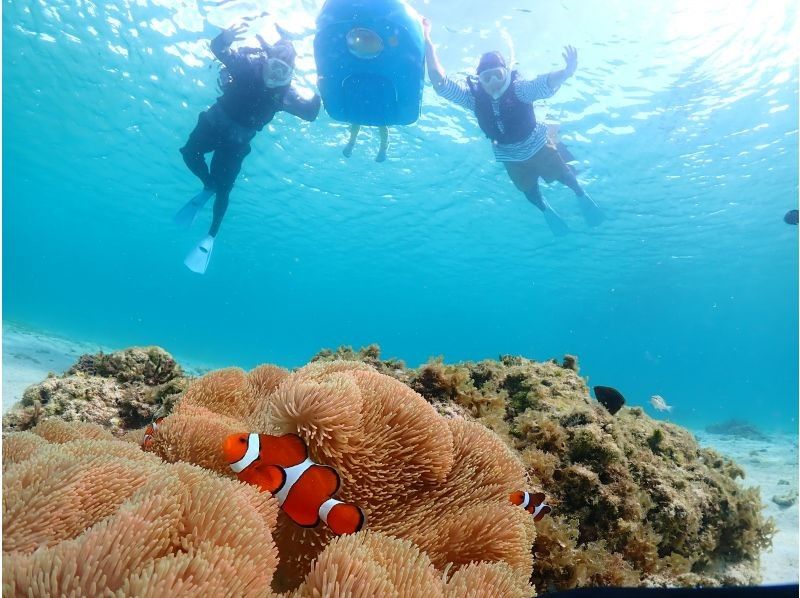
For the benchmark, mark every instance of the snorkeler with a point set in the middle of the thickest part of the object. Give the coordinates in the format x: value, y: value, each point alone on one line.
x: 354, y: 130
x: 503, y: 103
x: 256, y: 84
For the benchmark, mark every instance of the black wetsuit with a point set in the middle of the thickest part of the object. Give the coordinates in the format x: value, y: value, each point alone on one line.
x: 245, y: 107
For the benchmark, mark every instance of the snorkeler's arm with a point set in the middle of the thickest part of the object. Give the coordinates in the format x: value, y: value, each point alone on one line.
x: 556, y: 78
x: 530, y: 90
x: 435, y: 71
x: 307, y: 109
x: 221, y: 45
x: 454, y: 91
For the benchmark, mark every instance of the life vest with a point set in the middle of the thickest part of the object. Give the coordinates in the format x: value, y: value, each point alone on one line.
x: 515, y: 121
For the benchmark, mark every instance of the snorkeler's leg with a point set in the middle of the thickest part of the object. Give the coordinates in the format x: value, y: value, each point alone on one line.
x: 225, y: 166
x: 203, y: 139
x: 348, y: 149
x: 534, y: 195
x: 557, y: 226
x: 568, y: 179
x: 384, y: 133
x: 220, y: 207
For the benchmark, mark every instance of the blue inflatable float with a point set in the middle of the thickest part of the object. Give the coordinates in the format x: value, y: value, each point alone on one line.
x: 370, y: 58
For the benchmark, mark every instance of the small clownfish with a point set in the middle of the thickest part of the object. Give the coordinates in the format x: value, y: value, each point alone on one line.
x: 149, y: 431
x: 533, y: 503
x: 304, y: 489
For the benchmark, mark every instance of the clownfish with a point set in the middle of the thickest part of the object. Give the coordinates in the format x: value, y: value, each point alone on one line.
x: 533, y: 503
x: 149, y: 431
x: 304, y: 489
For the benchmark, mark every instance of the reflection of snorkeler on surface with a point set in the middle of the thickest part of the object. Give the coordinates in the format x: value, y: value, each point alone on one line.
x: 503, y: 104
x: 354, y: 129
x: 256, y: 84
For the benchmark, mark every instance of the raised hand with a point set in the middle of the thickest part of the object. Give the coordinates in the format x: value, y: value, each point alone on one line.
x: 234, y: 34
x: 264, y: 45
x: 571, y: 58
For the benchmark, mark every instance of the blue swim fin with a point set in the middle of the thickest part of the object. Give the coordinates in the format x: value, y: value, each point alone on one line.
x: 186, y: 215
x: 198, y: 258
x: 592, y: 213
x: 557, y: 225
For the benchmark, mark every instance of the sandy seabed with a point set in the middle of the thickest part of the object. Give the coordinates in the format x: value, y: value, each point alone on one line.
x: 772, y: 464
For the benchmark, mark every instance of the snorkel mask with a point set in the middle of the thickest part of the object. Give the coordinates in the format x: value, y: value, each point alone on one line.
x: 493, y: 74
x: 277, y: 73
x: 279, y: 67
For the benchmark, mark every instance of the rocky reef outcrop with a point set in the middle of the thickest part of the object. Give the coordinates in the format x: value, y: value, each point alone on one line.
x: 430, y: 454
x: 119, y: 391
x: 637, y: 501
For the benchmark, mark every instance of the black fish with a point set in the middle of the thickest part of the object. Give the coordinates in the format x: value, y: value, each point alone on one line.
x: 610, y: 398
x: 791, y: 217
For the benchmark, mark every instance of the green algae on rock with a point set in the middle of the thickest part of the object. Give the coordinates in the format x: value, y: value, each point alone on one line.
x: 636, y: 501
x: 119, y: 391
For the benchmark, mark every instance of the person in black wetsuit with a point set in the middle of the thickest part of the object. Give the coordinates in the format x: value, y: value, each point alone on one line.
x: 256, y: 84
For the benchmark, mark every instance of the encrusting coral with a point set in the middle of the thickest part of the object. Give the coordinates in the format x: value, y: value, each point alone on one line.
x: 371, y: 355
x: 441, y: 484
x: 120, y: 390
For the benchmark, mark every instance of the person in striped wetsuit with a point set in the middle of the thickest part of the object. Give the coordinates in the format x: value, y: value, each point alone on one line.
x: 502, y: 101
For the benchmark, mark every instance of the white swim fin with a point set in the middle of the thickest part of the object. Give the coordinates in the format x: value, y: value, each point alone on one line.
x: 557, y: 226
x: 592, y: 213
x: 198, y: 258
x: 186, y: 215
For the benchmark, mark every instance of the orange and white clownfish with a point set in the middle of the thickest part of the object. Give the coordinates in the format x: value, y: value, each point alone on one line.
x: 533, y: 503
x: 149, y: 431
x: 304, y: 489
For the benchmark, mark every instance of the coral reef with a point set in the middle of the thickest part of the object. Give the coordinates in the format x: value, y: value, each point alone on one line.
x: 441, y: 484
x: 150, y: 365
x: 374, y: 564
x: 430, y: 454
x: 120, y: 391
x: 371, y: 355
x: 636, y: 501
x: 86, y: 514
x: 98, y: 517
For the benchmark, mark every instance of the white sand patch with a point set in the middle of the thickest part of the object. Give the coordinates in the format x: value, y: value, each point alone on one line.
x: 29, y: 356
x: 771, y: 464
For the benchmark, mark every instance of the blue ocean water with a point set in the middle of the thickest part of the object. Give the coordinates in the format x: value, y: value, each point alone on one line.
x: 683, y: 117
